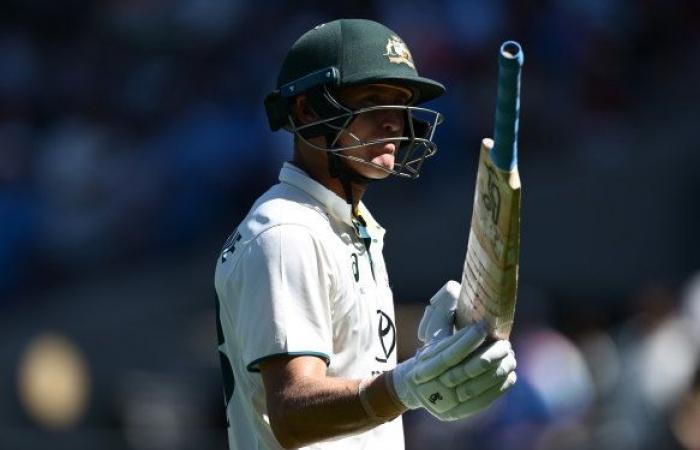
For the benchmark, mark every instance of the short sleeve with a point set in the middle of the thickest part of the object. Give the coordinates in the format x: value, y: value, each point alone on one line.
x: 279, y: 295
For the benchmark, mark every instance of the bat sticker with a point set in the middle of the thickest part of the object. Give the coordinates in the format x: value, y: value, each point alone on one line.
x: 492, y: 200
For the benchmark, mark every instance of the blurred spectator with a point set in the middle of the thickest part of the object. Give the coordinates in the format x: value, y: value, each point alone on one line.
x: 687, y: 416
x: 132, y: 133
x: 19, y: 207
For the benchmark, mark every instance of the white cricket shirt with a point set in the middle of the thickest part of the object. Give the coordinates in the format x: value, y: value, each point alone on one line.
x: 298, y: 278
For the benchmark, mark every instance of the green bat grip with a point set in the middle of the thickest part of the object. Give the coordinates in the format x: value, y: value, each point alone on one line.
x: 505, y: 135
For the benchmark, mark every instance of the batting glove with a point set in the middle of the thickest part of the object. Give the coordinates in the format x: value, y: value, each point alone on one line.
x: 451, y: 375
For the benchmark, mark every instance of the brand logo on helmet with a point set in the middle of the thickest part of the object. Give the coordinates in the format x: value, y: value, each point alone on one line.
x: 398, y: 52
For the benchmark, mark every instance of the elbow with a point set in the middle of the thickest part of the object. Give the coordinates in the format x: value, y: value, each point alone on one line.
x: 283, y: 432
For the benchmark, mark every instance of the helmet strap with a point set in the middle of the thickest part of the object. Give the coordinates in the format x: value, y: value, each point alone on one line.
x: 338, y: 168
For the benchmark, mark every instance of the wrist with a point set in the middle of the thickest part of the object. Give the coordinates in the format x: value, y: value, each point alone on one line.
x: 378, y: 400
x: 399, y: 386
x: 391, y: 390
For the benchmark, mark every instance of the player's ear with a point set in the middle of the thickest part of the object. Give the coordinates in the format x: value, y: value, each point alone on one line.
x: 302, y: 111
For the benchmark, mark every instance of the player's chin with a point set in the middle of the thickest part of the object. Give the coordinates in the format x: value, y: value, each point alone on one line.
x: 382, y: 166
x: 370, y: 171
x: 378, y: 175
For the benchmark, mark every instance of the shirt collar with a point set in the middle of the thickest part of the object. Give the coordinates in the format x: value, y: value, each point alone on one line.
x: 335, y: 205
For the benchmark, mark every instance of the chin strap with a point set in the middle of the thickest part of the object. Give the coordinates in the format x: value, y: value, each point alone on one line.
x: 337, y: 168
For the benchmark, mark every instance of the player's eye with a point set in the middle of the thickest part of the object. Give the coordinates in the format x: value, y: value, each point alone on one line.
x: 367, y: 102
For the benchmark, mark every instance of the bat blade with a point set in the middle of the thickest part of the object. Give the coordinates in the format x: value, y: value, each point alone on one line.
x: 490, y: 272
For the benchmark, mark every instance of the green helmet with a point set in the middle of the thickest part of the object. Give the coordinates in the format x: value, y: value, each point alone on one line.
x: 351, y: 52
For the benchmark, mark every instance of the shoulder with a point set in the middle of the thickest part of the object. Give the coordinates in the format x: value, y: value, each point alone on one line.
x: 284, y: 205
x: 284, y: 222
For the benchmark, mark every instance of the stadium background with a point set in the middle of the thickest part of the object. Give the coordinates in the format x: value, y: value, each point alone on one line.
x: 133, y: 139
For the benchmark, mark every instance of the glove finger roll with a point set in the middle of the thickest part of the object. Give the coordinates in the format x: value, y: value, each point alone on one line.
x: 461, y: 374
x: 477, y: 330
x: 477, y: 364
x: 478, y: 385
x: 427, y: 314
x: 438, y: 317
x: 507, y: 364
x: 447, y: 353
x: 480, y: 402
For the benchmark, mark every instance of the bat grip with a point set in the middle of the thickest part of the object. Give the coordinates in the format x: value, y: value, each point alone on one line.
x: 505, y: 149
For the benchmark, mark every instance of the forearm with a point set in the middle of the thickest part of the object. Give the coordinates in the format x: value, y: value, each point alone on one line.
x: 309, y: 410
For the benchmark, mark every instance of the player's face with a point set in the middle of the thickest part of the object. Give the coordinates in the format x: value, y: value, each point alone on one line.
x: 373, y: 125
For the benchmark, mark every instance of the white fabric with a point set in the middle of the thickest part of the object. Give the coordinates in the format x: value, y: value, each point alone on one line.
x: 289, y: 286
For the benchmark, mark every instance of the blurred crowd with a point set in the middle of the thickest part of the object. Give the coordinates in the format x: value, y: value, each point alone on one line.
x: 134, y: 126
x: 134, y: 130
x: 633, y: 384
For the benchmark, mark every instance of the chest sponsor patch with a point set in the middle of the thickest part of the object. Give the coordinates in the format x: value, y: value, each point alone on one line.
x: 386, y: 332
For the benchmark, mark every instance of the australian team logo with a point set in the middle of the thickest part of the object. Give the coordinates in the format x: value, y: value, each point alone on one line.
x: 398, y: 52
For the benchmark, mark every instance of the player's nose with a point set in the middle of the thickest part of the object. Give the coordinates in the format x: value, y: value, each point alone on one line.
x: 392, y: 121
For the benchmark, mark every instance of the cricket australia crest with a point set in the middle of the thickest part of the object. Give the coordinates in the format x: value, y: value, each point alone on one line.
x: 398, y: 53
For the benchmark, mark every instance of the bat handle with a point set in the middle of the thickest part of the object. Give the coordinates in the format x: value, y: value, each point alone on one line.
x: 505, y: 149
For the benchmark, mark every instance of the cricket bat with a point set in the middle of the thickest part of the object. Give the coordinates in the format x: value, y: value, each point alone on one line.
x: 490, y: 274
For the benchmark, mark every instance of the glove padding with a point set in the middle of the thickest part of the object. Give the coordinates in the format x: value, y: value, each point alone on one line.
x: 451, y: 376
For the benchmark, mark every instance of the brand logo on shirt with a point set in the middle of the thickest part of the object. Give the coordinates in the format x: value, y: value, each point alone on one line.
x: 386, y: 332
x: 355, y: 267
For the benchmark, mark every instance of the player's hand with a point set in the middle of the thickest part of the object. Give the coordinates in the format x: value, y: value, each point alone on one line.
x: 451, y: 375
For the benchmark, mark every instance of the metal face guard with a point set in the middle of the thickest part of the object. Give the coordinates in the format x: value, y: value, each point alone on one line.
x: 412, y: 149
